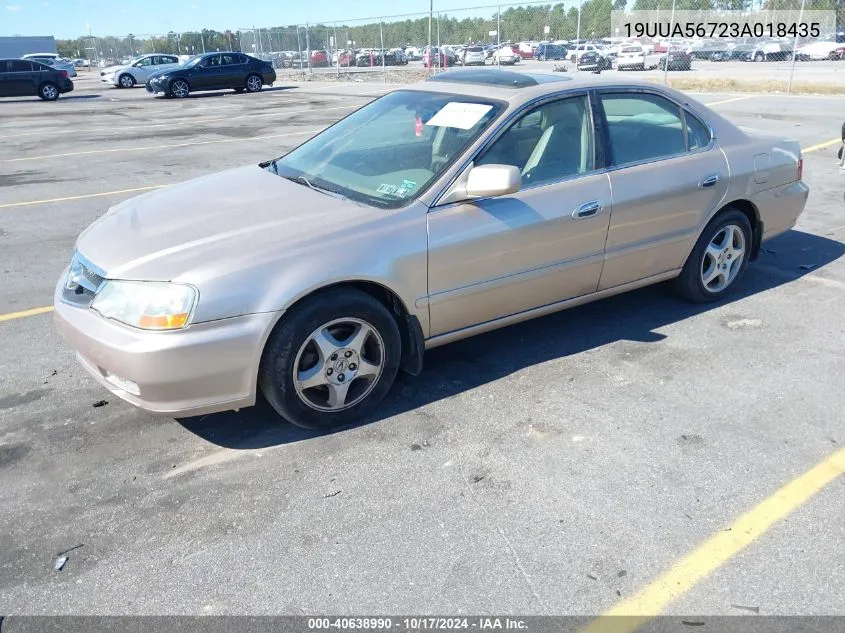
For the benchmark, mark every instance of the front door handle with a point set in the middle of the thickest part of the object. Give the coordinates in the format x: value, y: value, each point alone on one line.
x: 587, y: 210
x: 709, y: 181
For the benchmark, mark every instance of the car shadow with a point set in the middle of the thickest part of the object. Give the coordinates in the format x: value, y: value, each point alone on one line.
x: 226, y: 93
x: 59, y: 100
x: 478, y: 360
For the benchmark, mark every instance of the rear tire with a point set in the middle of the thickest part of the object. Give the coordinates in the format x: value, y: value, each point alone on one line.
x: 48, y: 91
x: 719, y: 258
x: 254, y: 83
x: 336, y: 382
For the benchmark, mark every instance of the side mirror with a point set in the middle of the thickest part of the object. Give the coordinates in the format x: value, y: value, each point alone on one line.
x: 489, y: 181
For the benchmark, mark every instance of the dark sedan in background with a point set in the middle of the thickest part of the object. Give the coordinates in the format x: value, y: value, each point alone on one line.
x: 596, y: 62
x: 677, y: 59
x: 27, y: 78
x: 213, y: 71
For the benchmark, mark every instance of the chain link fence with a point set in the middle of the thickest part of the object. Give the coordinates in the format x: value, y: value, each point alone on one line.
x: 571, y: 36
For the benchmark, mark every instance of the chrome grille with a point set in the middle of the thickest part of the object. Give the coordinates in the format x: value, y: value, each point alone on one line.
x: 83, y: 281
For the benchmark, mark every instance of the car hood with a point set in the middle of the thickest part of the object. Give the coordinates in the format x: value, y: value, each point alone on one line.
x: 196, y: 229
x: 108, y: 70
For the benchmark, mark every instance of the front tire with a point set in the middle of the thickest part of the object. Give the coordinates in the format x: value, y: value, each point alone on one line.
x: 179, y: 89
x: 126, y: 81
x: 48, y: 91
x: 719, y: 258
x: 331, y: 359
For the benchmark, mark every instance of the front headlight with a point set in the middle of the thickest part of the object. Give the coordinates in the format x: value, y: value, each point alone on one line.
x: 149, y: 305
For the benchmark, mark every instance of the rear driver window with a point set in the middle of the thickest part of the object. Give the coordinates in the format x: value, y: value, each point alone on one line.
x: 642, y: 127
x: 698, y: 136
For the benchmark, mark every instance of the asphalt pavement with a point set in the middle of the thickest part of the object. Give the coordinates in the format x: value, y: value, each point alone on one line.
x: 554, y: 467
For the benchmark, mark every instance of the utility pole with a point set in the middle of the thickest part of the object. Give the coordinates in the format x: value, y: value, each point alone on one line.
x: 308, y: 49
x: 498, y: 52
x: 430, y: 15
x: 794, y: 50
x: 669, y: 47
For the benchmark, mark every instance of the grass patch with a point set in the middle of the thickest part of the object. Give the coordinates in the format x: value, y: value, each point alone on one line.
x: 716, y: 84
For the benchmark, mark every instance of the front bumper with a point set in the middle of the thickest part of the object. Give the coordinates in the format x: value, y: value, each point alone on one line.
x: 109, y: 79
x: 205, y: 368
x: 156, y: 87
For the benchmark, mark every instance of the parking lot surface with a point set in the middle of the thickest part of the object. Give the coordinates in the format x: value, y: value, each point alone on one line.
x: 555, y: 467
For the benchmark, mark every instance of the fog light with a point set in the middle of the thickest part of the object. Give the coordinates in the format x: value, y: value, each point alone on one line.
x: 123, y: 383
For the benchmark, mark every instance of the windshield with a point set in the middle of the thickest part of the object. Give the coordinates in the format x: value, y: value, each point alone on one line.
x: 388, y: 152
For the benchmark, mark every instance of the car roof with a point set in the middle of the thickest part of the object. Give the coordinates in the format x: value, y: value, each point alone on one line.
x: 517, y: 88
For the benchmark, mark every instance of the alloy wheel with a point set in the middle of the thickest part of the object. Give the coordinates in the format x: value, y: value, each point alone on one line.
x: 50, y: 92
x: 180, y: 89
x: 338, y: 364
x: 723, y: 258
x: 253, y: 83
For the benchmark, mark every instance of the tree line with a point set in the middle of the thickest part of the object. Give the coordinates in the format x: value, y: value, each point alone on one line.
x: 533, y: 22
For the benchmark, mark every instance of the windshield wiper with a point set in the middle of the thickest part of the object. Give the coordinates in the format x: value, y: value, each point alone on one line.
x: 303, y: 180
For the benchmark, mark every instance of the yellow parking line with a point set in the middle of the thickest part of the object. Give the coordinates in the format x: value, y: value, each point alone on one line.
x: 742, y: 98
x: 25, y: 313
x: 149, y: 147
x: 718, y: 549
x: 813, y: 148
x: 9, y: 205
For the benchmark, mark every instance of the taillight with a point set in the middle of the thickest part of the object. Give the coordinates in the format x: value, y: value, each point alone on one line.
x: 64, y: 73
x: 800, y: 167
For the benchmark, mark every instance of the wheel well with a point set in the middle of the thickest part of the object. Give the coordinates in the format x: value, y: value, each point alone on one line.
x: 753, y: 216
x: 410, y: 330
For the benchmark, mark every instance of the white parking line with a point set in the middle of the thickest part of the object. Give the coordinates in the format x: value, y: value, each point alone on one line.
x: 178, y: 123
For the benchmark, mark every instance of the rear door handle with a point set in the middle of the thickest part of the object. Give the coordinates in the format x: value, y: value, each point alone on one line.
x: 587, y: 210
x: 709, y: 181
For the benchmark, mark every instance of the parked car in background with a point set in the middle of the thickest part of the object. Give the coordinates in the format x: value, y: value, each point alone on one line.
x: 213, y: 71
x: 413, y: 54
x: 769, y: 51
x: 319, y: 58
x: 838, y: 53
x: 525, y: 50
x: 546, y: 52
x: 732, y: 52
x: 581, y: 49
x: 636, y: 58
x: 436, y: 57
x: 473, y: 56
x: 192, y: 298
x: 31, y: 78
x: 137, y: 71
x: 594, y: 61
x: 53, y: 60
x: 816, y: 51
x: 506, y: 56
x: 677, y: 60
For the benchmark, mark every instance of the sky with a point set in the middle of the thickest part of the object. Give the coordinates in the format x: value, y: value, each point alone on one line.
x: 71, y: 18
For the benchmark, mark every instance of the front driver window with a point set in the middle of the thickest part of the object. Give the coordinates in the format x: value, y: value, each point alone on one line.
x: 642, y: 127
x: 549, y: 143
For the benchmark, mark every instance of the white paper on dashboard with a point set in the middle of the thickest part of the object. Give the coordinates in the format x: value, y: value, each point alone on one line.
x: 460, y: 115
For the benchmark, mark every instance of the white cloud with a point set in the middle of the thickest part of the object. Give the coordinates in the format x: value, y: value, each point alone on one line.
x: 13, y: 7
x: 195, y: 6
